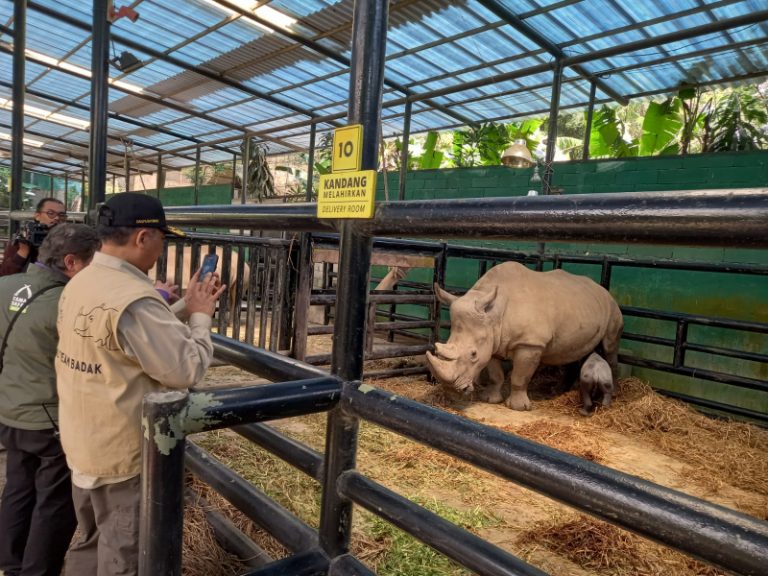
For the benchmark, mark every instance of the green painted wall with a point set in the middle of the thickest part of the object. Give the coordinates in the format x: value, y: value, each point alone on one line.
x: 733, y: 296
x: 185, y: 195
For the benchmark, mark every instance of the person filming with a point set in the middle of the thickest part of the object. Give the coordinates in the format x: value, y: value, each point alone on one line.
x: 23, y: 250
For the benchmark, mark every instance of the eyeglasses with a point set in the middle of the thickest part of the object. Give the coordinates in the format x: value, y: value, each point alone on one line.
x: 54, y: 214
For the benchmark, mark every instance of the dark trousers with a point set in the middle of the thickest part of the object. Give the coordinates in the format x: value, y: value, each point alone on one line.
x: 37, y: 518
x: 109, y: 529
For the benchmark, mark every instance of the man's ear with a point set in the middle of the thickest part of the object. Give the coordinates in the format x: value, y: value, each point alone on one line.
x: 69, y: 262
x: 142, y: 236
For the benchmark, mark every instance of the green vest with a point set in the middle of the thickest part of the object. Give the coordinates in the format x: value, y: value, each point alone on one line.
x: 28, y: 378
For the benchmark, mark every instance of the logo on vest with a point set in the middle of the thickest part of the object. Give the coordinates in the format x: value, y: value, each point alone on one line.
x: 20, y: 298
x: 94, y: 324
x: 79, y: 365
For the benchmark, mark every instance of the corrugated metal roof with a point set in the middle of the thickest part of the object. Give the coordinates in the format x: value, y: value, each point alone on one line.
x: 275, y: 84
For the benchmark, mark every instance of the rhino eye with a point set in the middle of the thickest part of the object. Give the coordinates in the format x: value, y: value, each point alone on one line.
x: 473, y: 354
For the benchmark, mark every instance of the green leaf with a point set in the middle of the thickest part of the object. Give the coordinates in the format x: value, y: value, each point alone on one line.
x: 661, y: 125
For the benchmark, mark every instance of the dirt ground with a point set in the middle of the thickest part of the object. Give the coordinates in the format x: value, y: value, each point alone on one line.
x: 642, y: 434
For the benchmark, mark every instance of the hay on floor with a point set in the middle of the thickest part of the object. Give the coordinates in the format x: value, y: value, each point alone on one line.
x: 607, y: 549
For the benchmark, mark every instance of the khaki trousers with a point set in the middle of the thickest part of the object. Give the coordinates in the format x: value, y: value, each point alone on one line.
x: 108, y: 539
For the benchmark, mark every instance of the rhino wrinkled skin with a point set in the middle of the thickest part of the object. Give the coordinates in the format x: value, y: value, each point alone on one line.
x: 530, y: 318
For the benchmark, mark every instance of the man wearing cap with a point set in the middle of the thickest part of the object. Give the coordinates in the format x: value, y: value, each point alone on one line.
x: 119, y: 340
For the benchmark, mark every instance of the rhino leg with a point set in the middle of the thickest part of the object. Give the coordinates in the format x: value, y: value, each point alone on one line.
x: 525, y: 360
x: 586, y: 397
x: 492, y: 392
x: 611, y: 342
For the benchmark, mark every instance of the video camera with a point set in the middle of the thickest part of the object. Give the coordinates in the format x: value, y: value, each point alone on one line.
x: 32, y: 233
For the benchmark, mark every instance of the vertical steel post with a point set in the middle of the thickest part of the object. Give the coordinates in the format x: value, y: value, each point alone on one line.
x: 160, y: 175
x: 311, y: 161
x: 404, y: 149
x: 17, y: 115
x: 365, y: 90
x: 554, y: 108
x: 84, y: 202
x: 127, y: 173
x: 590, y: 113
x: 234, y: 171
x: 97, y: 154
x: 197, y: 176
x: 66, y: 189
x: 246, y: 161
x: 304, y: 284
x: 162, y: 483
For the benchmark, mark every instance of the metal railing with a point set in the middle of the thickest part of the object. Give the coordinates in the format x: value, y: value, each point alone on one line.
x: 709, y: 532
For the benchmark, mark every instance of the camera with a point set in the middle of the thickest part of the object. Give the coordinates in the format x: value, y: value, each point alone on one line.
x: 32, y: 233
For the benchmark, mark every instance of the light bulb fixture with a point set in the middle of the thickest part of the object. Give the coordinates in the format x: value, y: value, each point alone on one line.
x: 126, y: 62
x: 517, y: 155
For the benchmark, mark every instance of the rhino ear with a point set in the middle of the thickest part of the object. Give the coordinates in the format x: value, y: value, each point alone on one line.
x: 484, y: 302
x: 445, y: 297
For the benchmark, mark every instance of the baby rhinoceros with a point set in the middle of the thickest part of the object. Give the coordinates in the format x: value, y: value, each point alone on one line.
x: 595, y: 380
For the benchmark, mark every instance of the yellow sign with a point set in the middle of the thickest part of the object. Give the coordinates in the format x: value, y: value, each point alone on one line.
x: 347, y: 148
x: 347, y: 195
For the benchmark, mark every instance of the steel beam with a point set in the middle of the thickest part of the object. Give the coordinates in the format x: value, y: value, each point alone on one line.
x: 17, y: 115
x: 217, y: 77
x: 553, y: 49
x: 97, y: 154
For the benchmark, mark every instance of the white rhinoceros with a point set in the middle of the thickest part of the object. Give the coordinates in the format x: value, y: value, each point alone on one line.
x: 528, y: 317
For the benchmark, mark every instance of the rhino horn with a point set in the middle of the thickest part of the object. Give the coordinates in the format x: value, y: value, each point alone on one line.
x: 485, y: 301
x: 445, y: 297
x: 442, y: 362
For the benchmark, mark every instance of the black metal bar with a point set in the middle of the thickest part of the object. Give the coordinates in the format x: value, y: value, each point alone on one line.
x: 303, y: 293
x: 292, y: 451
x: 162, y: 483
x: 590, y: 114
x: 348, y: 565
x: 714, y: 322
x: 681, y: 338
x: 228, y: 535
x: 702, y: 373
x: 224, y: 407
x: 554, y: 109
x: 711, y: 404
x: 712, y: 533
x: 232, y: 183
x: 250, y: 313
x: 369, y: 36
x: 391, y: 351
x: 196, y: 191
x: 733, y: 218
x: 727, y: 352
x: 262, y: 362
x: 17, y: 114
x: 462, y: 546
x: 404, y: 150
x: 309, y: 563
x: 286, y: 528
x: 311, y: 162
x: 695, y: 218
x: 246, y: 168
x: 127, y: 172
x: 97, y: 153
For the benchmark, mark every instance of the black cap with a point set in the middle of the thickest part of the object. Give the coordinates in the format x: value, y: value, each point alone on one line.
x: 135, y: 210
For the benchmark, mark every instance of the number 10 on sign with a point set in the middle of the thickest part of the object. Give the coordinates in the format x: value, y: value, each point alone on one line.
x: 347, y: 147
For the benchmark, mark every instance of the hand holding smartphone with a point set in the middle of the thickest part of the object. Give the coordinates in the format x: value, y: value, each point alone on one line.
x: 209, y: 265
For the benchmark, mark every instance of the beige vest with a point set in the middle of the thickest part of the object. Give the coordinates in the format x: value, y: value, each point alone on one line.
x: 100, y: 388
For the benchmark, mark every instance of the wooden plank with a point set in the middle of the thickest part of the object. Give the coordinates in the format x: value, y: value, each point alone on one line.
x: 377, y: 258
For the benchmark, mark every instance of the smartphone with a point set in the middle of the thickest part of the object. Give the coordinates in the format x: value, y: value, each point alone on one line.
x: 209, y: 265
